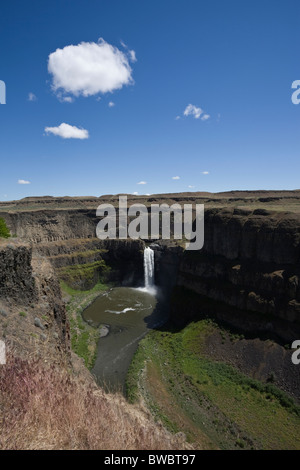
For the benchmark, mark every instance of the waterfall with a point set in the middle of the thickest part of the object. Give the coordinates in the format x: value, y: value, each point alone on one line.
x: 149, y: 268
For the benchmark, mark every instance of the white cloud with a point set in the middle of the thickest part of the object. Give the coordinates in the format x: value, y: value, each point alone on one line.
x: 131, y: 53
x: 192, y: 110
x: 135, y: 193
x: 175, y: 177
x: 89, y: 68
x: 68, y: 132
x: 177, y: 118
x: 23, y: 182
x: 31, y: 97
x: 205, y: 172
x: 111, y: 104
x: 65, y: 99
x: 132, y: 56
x: 191, y: 186
x: 142, y: 182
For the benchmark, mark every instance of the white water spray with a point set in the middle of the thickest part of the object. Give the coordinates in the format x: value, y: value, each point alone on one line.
x: 149, y: 268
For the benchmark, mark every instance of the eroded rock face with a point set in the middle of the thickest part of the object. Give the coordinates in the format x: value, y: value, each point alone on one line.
x: 33, y: 316
x: 52, y: 225
x: 82, y: 262
x: 16, y: 277
x: 253, y: 235
x: 68, y: 238
x: 250, y: 262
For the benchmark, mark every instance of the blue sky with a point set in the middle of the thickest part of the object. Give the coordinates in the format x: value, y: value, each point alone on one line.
x: 235, y: 60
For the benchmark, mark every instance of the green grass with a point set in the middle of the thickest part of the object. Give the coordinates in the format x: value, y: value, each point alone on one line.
x: 23, y: 314
x: 80, y: 254
x: 81, y: 294
x: 84, y: 337
x: 233, y: 410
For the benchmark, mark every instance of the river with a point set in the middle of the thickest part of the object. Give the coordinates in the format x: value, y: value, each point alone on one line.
x: 128, y: 314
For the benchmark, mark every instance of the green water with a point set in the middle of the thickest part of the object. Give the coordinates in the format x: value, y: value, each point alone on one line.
x: 129, y: 314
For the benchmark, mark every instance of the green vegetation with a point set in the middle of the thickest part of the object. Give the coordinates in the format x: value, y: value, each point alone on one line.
x: 4, y: 231
x: 84, y: 338
x: 81, y: 254
x: 78, y: 274
x: 23, y: 314
x: 211, y: 402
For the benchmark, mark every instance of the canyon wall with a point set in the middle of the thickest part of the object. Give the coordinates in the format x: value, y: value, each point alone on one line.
x: 247, y: 273
x: 32, y: 314
x: 68, y: 239
x: 16, y: 276
x: 40, y: 226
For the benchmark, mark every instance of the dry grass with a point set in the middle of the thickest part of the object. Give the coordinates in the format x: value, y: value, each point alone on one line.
x: 47, y: 408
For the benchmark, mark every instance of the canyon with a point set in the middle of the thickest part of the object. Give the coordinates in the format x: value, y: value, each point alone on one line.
x: 247, y: 273
x: 246, y: 277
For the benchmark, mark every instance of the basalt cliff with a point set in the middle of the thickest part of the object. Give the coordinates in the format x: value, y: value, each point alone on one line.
x: 247, y: 273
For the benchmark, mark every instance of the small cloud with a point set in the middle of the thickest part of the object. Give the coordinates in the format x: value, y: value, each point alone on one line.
x: 218, y: 117
x: 175, y: 177
x: 190, y: 186
x: 147, y: 194
x: 67, y: 99
x: 111, y: 104
x: 135, y: 193
x: 205, y: 172
x: 192, y: 110
x: 131, y: 53
x: 23, y: 182
x: 142, y: 182
x: 65, y: 131
x: 31, y: 97
x: 132, y: 56
x: 177, y: 118
x: 64, y: 99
